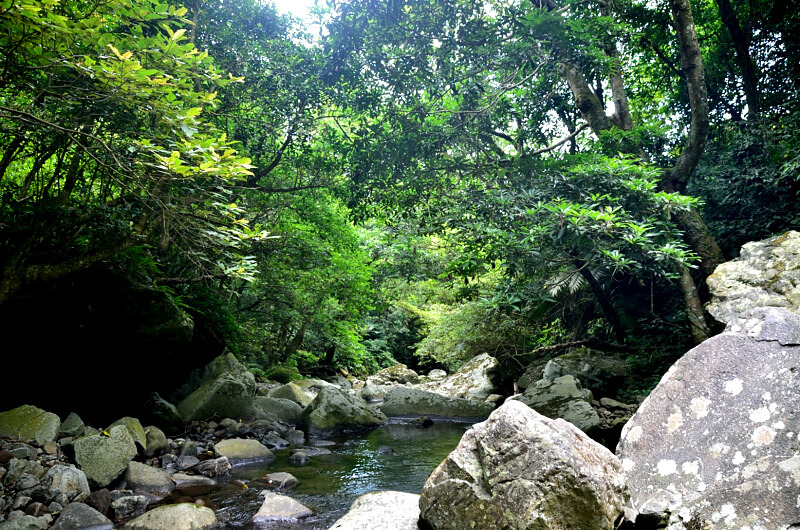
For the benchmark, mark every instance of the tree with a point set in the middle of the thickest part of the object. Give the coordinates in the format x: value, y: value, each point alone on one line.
x: 105, y: 145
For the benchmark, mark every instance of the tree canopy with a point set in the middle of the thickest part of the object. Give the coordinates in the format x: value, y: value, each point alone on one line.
x: 423, y: 181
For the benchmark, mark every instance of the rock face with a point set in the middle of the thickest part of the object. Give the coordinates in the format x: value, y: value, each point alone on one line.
x: 563, y: 397
x: 600, y: 372
x: 103, y: 458
x: 334, y: 412
x: 474, y: 380
x: 519, y: 469
x: 226, y: 390
x: 29, y: 423
x: 409, y: 402
x: 767, y: 273
x: 381, y: 509
x: 716, y: 442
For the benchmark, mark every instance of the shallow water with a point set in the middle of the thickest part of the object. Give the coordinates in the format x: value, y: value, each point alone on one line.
x: 330, y: 483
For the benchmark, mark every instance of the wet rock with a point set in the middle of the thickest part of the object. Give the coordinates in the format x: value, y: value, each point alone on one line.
x: 272, y: 442
x: 384, y: 450
x: 69, y: 480
x: 280, y: 481
x: 29, y: 423
x: 715, y: 443
x: 72, y: 427
x: 766, y: 274
x: 212, y: 468
x: 186, y: 516
x: 381, y: 509
x: 519, y: 469
x: 602, y: 373
x: 104, y: 457
x: 150, y: 479
x: 183, y: 480
x: 406, y: 401
x: 284, y: 410
x: 79, y: 516
x: 295, y: 437
x: 398, y: 374
x: 280, y: 508
x: 240, y: 452
x: 226, y: 390
x: 186, y: 462
x: 334, y: 412
x: 475, y: 380
x: 299, y: 458
x: 563, y: 398
x: 129, y: 506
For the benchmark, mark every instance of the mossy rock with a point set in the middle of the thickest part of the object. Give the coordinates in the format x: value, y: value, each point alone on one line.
x: 29, y: 423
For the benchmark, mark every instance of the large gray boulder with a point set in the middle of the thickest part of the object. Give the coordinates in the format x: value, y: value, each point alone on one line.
x: 410, y: 402
x: 602, y: 373
x: 381, y: 509
x: 147, y: 478
x: 69, y: 480
x: 293, y: 392
x: 226, y: 391
x: 280, y: 508
x: 103, y: 457
x: 766, y: 274
x: 715, y: 444
x: 475, y: 380
x: 241, y: 452
x: 398, y: 374
x: 519, y: 469
x: 285, y: 410
x: 79, y: 516
x: 335, y: 412
x: 186, y: 516
x: 563, y: 397
x: 27, y: 422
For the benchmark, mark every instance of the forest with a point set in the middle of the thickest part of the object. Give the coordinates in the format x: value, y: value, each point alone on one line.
x: 416, y: 181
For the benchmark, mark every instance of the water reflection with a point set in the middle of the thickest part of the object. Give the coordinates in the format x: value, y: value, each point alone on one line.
x: 330, y: 483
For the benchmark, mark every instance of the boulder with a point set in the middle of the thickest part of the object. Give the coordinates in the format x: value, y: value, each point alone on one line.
x: 372, y: 392
x: 565, y: 398
x: 157, y: 443
x: 27, y: 422
x: 129, y: 506
x: 281, y: 481
x: 103, y: 457
x: 285, y: 410
x: 409, y: 402
x: 280, y: 508
x: 72, y: 427
x: 77, y: 516
x: 715, y: 443
x: 293, y: 392
x: 335, y: 412
x: 240, y: 452
x: 766, y: 274
x: 70, y: 481
x: 604, y: 374
x: 437, y: 374
x: 474, y: 380
x: 186, y: 516
x: 519, y: 469
x: 214, y: 467
x: 381, y: 509
x: 398, y: 374
x: 134, y: 427
x: 164, y: 414
x: 226, y: 390
x: 142, y: 477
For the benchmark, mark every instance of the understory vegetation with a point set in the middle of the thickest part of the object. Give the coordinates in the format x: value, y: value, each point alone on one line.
x: 418, y: 181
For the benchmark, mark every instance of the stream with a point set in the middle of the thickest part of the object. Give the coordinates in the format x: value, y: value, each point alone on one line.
x: 329, y: 484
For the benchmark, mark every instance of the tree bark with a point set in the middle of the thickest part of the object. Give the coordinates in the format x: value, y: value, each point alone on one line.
x: 741, y: 43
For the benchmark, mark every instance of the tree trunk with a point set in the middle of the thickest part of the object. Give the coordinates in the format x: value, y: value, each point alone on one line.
x: 741, y: 43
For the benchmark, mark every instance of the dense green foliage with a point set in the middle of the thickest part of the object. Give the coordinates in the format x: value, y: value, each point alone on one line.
x: 425, y: 182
